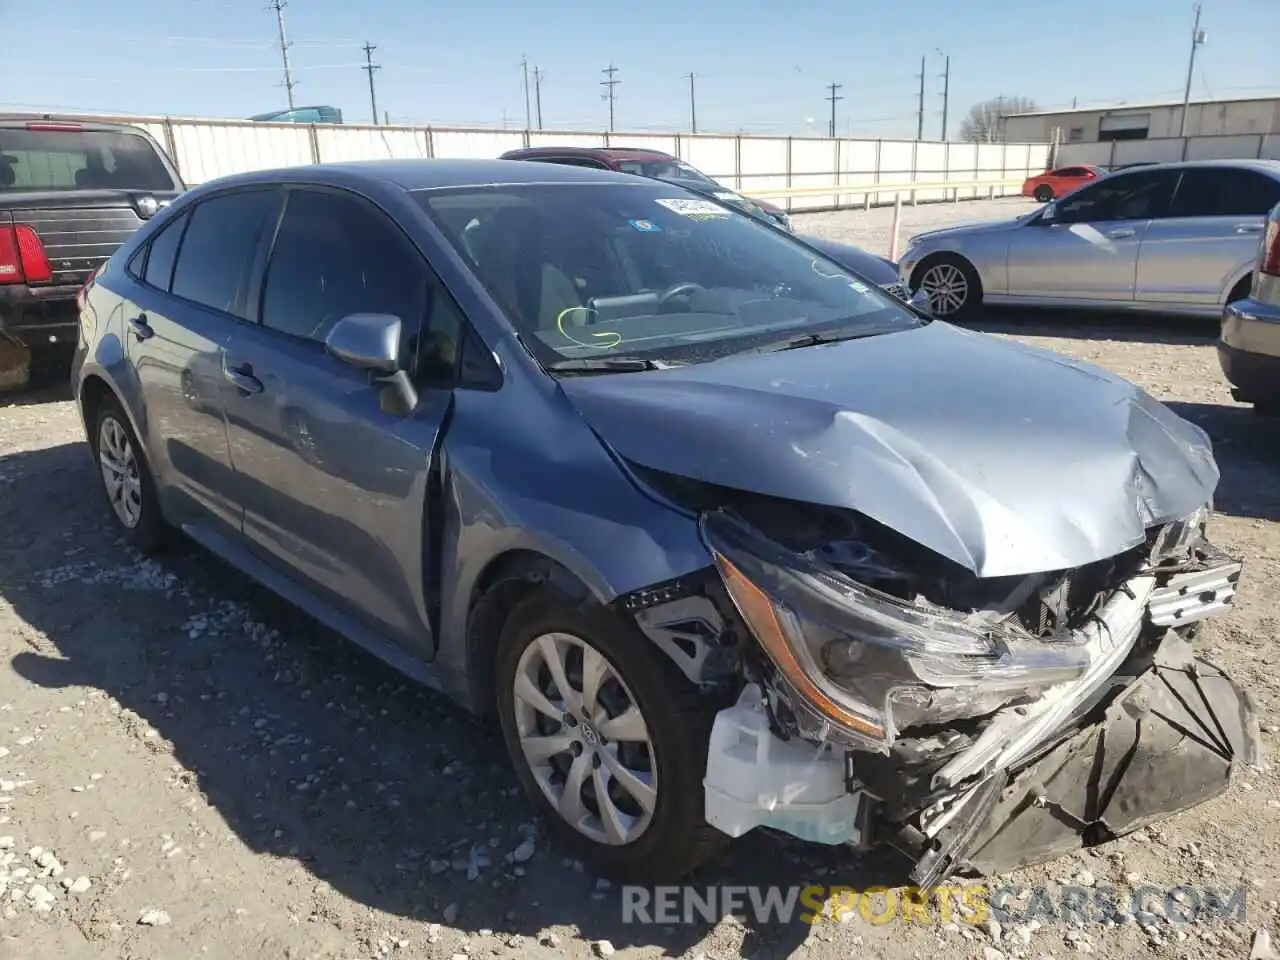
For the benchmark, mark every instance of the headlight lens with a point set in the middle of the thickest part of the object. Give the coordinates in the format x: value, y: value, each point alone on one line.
x: 866, y: 662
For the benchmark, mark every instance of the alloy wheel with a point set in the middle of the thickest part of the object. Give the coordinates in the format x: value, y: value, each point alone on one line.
x: 120, y: 474
x: 946, y: 287
x: 585, y: 739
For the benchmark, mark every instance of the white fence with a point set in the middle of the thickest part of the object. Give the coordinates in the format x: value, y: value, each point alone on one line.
x: 1260, y: 146
x: 205, y: 149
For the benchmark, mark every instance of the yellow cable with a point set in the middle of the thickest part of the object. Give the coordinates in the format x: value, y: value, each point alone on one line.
x: 590, y: 346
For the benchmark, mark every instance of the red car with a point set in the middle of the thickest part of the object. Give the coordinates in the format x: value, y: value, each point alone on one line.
x: 643, y: 163
x: 1060, y: 182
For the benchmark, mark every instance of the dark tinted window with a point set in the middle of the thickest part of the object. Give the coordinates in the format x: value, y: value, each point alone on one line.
x: 336, y: 255
x: 219, y: 247
x: 573, y: 162
x: 1132, y: 196
x: 1069, y: 172
x: 164, y: 251
x: 79, y: 160
x: 1224, y: 192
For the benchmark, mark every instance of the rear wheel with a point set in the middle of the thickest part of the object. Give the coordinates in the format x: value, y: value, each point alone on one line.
x: 1043, y: 193
x: 609, y: 741
x: 952, y: 286
x: 126, y: 479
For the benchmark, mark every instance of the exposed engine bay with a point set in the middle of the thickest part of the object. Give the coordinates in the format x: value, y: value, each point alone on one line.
x: 886, y: 694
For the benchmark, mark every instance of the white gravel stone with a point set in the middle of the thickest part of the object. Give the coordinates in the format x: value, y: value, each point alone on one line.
x: 524, y: 852
x: 604, y: 948
x: 151, y: 917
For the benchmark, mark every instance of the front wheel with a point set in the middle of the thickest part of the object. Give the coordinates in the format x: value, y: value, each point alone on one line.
x: 952, y: 286
x: 609, y: 741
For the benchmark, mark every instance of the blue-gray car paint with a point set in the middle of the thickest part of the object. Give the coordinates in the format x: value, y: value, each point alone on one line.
x: 1004, y: 458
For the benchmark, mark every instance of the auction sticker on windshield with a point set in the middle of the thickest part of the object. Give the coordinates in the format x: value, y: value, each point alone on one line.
x: 694, y: 208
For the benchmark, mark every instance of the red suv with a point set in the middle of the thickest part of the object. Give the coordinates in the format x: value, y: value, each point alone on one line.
x: 643, y: 163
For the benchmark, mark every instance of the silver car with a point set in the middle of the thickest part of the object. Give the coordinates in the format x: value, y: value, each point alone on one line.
x: 1178, y: 238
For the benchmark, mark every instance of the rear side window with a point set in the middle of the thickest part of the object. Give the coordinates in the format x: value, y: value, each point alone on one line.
x: 163, y: 253
x: 219, y: 247
x: 80, y: 160
x: 1131, y: 196
x: 1225, y: 192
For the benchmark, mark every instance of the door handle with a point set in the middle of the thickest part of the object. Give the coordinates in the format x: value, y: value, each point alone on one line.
x: 242, y: 378
x: 1122, y: 233
x: 141, y: 329
x: 1249, y: 227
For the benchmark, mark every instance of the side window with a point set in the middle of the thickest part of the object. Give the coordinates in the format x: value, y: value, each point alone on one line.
x: 1224, y: 192
x: 1133, y: 196
x: 336, y: 255
x: 575, y: 162
x: 164, y: 252
x: 219, y: 247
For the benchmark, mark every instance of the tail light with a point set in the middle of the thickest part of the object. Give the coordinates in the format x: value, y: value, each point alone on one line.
x: 1271, y: 247
x: 22, y: 256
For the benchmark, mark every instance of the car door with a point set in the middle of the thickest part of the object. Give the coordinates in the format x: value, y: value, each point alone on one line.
x: 1209, y: 237
x: 192, y: 280
x: 334, y: 486
x: 1085, y: 246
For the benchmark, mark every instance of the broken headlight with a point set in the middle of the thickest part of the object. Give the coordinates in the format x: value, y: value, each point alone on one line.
x: 868, y: 663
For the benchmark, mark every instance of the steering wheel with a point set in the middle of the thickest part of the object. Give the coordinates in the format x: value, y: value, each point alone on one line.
x: 679, y: 289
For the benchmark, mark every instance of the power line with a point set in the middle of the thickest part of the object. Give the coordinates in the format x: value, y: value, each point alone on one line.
x: 920, y: 108
x: 1197, y: 38
x: 289, y: 83
x: 369, y: 68
x: 528, y: 111
x: 693, y: 103
x: 833, y: 87
x: 946, y: 92
x: 609, y: 94
x: 537, y: 92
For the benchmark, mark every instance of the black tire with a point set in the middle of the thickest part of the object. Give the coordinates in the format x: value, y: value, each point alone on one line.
x: 678, y: 722
x: 971, y: 301
x: 149, y: 534
x: 1241, y: 289
x: 1043, y: 193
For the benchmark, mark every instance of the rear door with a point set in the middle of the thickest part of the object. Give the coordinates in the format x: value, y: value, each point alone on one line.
x: 333, y: 487
x: 193, y: 279
x: 1088, y: 250
x: 1209, y: 237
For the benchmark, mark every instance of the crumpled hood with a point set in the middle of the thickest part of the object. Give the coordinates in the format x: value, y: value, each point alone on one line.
x: 1004, y: 458
x: 982, y: 226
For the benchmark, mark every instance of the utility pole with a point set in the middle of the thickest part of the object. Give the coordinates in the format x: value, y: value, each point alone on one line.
x: 999, y: 131
x: 1197, y: 38
x: 609, y: 95
x: 369, y: 67
x: 833, y: 87
x: 528, y: 113
x: 946, y: 92
x: 537, y: 92
x: 920, y: 110
x: 278, y: 6
x: 693, y: 104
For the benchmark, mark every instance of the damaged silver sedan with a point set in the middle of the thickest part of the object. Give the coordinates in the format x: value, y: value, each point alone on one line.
x: 727, y: 537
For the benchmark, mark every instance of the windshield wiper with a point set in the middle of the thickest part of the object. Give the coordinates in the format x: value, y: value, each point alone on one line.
x: 606, y: 365
x: 817, y: 339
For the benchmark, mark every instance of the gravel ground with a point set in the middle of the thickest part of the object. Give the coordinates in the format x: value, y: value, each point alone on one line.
x: 188, y: 767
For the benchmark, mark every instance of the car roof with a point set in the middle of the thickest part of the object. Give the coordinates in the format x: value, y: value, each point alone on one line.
x: 432, y: 174
x: 1269, y: 167
x: 70, y: 125
x: 610, y: 153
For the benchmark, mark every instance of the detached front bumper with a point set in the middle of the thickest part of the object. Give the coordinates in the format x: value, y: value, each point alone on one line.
x: 1146, y: 731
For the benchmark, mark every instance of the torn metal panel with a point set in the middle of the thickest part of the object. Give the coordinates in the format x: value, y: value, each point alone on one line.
x: 1002, y: 458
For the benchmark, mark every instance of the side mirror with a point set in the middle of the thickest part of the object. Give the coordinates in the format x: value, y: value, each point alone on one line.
x: 371, y: 341
x: 920, y: 301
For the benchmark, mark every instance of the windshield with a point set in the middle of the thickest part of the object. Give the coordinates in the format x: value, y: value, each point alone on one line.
x: 665, y: 170
x: 649, y: 271
x: 79, y: 160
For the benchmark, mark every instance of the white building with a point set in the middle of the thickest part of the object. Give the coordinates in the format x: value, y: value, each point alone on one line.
x: 1147, y: 121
